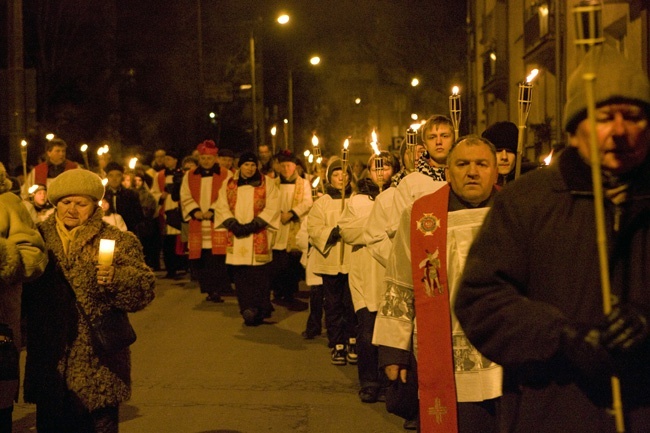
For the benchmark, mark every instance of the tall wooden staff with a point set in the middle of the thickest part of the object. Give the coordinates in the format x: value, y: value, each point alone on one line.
x: 588, y: 19
x: 411, y: 142
x: 454, y: 110
x: 524, y: 102
x: 344, y: 166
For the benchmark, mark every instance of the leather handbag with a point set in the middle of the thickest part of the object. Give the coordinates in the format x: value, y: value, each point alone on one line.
x: 111, y: 331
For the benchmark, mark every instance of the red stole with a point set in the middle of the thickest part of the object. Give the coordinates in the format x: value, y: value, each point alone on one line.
x: 260, y: 239
x: 195, y: 238
x: 437, y: 385
x: 40, y: 171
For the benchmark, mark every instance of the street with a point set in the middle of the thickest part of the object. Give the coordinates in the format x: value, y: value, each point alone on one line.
x: 197, y: 369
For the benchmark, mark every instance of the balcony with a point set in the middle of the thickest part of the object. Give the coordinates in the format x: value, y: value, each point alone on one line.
x: 539, y: 36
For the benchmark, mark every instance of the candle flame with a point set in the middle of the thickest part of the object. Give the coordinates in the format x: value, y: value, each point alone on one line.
x: 532, y: 75
x: 319, y: 160
x: 314, y: 140
x: 314, y: 184
x: 547, y: 160
x: 104, y: 181
x: 455, y: 90
x: 306, y: 153
x: 310, y: 158
x: 23, y: 143
x: 273, y: 130
x: 346, y: 143
x: 132, y: 163
x: 84, y: 147
x: 374, y: 136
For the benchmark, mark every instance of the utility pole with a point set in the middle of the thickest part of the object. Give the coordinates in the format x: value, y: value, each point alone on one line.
x: 15, y: 79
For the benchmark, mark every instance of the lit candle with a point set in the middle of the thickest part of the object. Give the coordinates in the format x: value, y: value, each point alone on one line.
x: 132, y: 162
x: 524, y: 102
x: 411, y: 142
x: 344, y: 154
x: 84, y: 152
x: 274, y: 131
x: 314, y: 188
x: 454, y: 108
x: 106, y: 249
x: 314, y: 142
x: 23, y: 155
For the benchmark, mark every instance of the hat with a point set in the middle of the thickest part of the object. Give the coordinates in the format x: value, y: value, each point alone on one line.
x: 337, y: 165
x: 114, y: 166
x: 617, y: 80
x: 286, y: 156
x: 77, y: 181
x: 226, y: 153
x: 503, y: 135
x: 208, y: 147
x: 247, y: 157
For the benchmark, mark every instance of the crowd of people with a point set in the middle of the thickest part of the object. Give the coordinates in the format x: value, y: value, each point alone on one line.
x: 468, y: 300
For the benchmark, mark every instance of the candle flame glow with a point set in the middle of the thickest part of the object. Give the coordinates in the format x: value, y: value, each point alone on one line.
x: 132, y: 163
x: 314, y: 140
x: 346, y: 143
x: 23, y: 143
x: 547, y: 160
x: 310, y: 158
x: 319, y: 160
x: 306, y: 153
x: 273, y: 130
x: 314, y: 184
x: 84, y: 147
x: 455, y: 90
x: 374, y: 136
x: 104, y: 181
x: 532, y: 75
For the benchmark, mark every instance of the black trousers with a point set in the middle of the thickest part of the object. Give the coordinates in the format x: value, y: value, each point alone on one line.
x: 286, y: 273
x: 340, y: 319
x: 368, y: 361
x: 5, y: 419
x: 315, y: 319
x: 70, y: 416
x: 252, y: 288
x: 211, y: 273
x: 173, y: 262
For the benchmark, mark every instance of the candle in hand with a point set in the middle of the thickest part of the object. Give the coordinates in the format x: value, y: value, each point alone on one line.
x: 106, y: 249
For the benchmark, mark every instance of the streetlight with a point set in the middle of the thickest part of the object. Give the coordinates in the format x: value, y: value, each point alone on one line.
x: 314, y: 61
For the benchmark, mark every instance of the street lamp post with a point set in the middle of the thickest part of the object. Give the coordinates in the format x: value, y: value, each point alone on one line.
x: 253, y: 87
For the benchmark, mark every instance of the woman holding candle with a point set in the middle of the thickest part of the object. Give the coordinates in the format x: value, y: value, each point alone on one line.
x: 366, y: 274
x: 324, y: 235
x: 76, y: 386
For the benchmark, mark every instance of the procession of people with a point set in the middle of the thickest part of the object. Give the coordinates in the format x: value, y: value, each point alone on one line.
x: 467, y: 291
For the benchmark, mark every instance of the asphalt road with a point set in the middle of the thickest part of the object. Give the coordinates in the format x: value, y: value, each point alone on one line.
x: 197, y: 369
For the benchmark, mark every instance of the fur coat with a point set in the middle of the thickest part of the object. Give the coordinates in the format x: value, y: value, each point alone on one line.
x: 22, y: 256
x: 60, y: 355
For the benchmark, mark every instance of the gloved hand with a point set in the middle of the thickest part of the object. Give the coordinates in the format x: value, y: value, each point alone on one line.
x: 235, y: 227
x: 583, y: 349
x: 625, y: 328
x: 254, y: 226
x: 334, y: 236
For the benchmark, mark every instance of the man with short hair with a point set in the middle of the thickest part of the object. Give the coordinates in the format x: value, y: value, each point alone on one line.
x: 295, y: 202
x: 166, y: 191
x: 265, y: 156
x: 437, y: 230
x: 55, y: 164
x: 531, y: 297
x: 226, y: 158
x: 126, y: 202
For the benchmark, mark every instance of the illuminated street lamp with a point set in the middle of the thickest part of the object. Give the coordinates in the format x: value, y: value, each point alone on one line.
x: 314, y: 61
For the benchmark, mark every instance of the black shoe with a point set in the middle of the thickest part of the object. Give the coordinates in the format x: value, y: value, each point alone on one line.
x: 251, y: 317
x: 369, y: 394
x: 338, y: 355
x: 411, y: 424
x: 214, y: 297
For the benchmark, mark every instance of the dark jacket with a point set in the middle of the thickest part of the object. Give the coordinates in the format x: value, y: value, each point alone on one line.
x: 60, y: 355
x: 126, y: 202
x: 533, y: 269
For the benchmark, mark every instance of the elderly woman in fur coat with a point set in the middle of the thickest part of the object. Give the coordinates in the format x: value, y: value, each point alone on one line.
x: 76, y: 386
x: 22, y: 256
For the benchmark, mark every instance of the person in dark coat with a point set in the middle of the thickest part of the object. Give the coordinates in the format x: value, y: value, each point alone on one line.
x: 530, y: 298
x: 77, y: 387
x: 125, y: 201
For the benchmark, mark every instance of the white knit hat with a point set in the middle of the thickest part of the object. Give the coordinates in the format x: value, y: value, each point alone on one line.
x: 77, y: 181
x: 617, y: 80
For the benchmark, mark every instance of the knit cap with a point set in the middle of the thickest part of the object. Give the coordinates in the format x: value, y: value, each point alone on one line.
x: 246, y: 157
x: 337, y: 164
x: 503, y: 135
x: 77, y: 181
x: 617, y: 80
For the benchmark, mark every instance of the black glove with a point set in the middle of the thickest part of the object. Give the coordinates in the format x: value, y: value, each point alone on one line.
x: 254, y: 226
x: 583, y: 349
x: 625, y: 328
x: 335, y: 235
x: 235, y: 227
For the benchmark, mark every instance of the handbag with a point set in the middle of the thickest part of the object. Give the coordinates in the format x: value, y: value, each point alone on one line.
x: 111, y: 331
